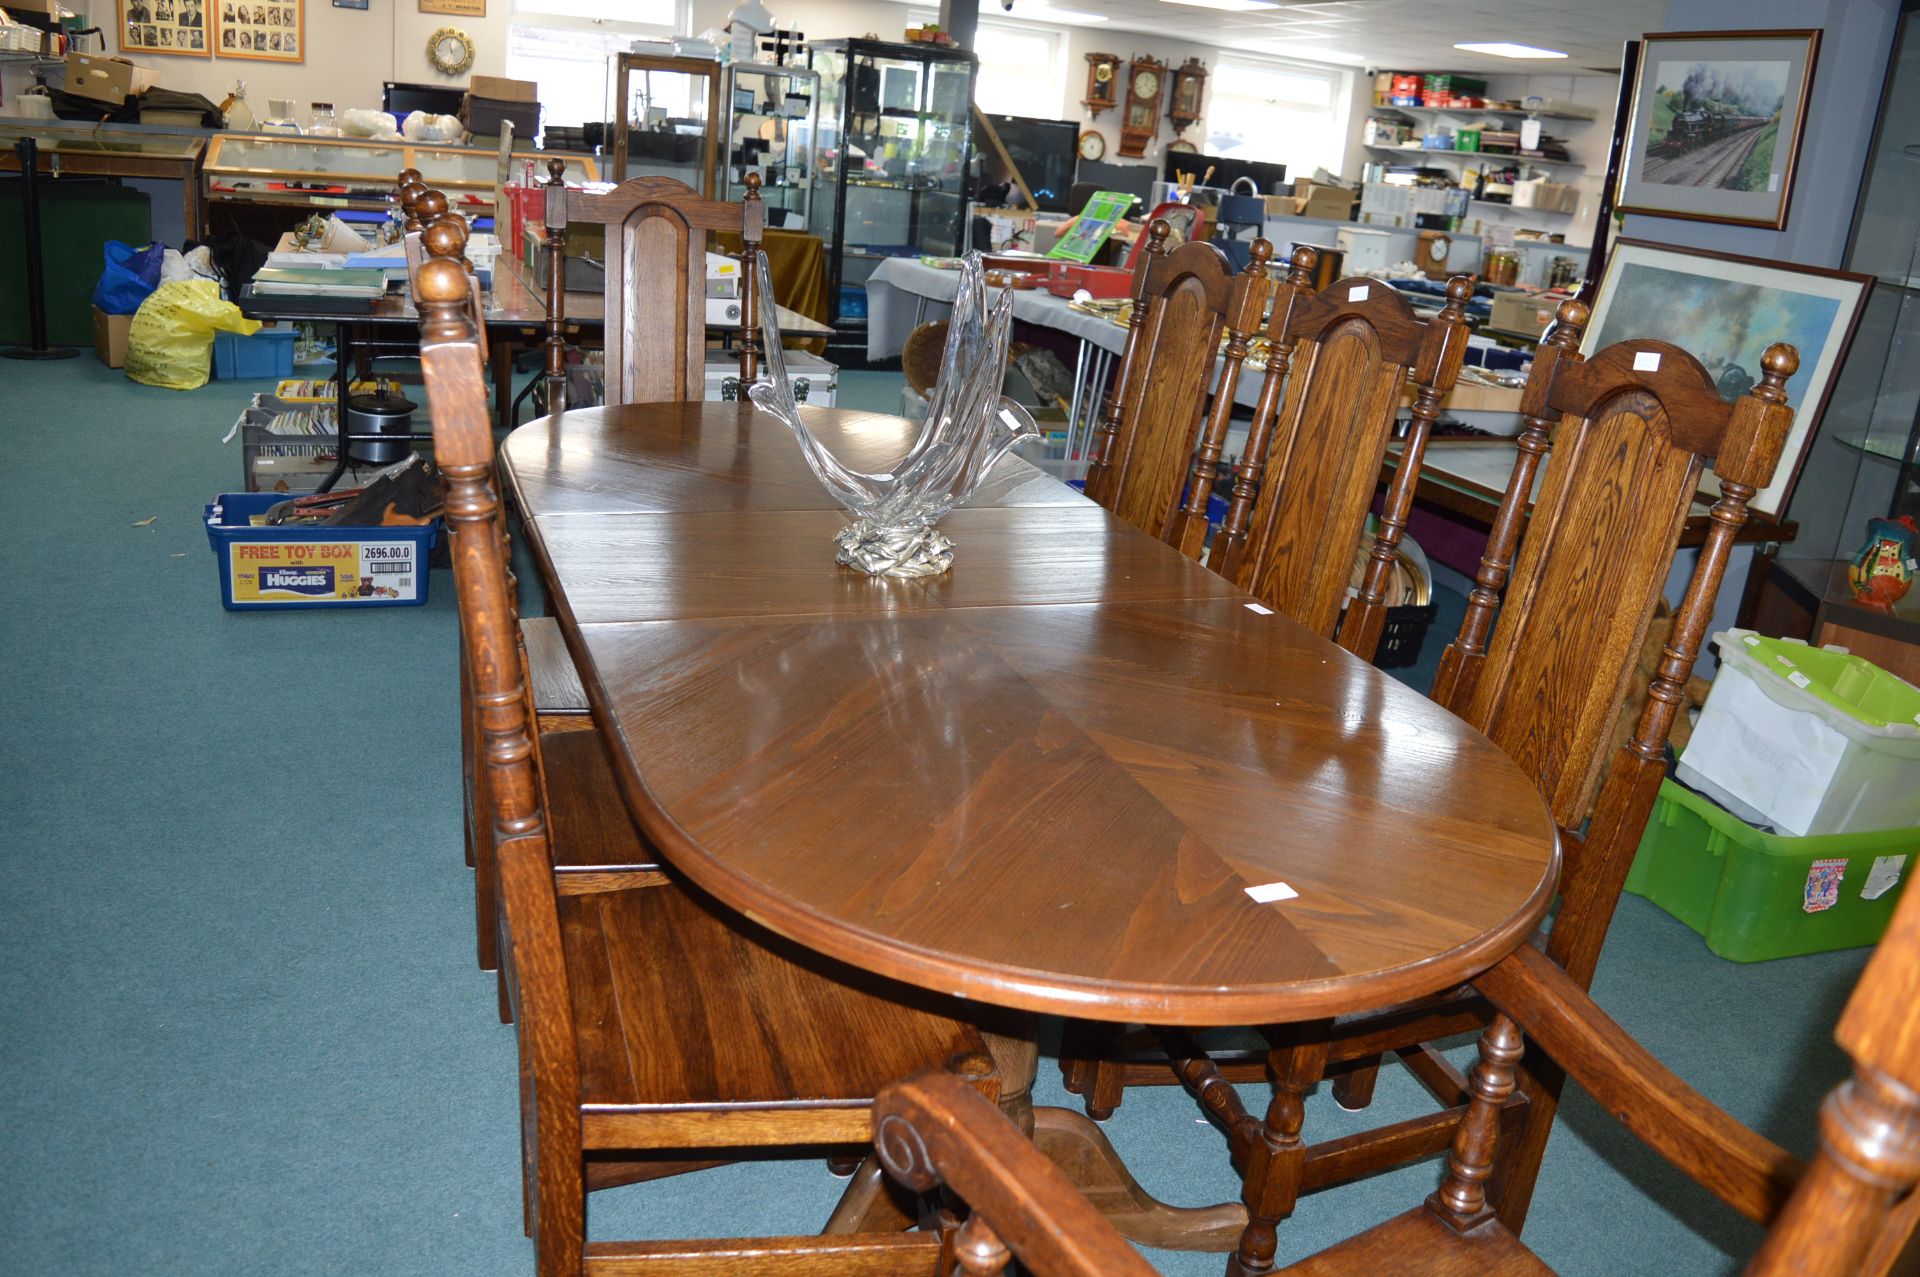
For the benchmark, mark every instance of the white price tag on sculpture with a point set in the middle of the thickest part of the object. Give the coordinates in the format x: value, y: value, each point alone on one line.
x: 1359, y: 292
x: 1259, y: 609
x: 1268, y: 892
x: 1646, y: 361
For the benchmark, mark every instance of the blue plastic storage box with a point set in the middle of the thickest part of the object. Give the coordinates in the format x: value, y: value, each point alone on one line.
x: 268, y: 353
x: 271, y: 568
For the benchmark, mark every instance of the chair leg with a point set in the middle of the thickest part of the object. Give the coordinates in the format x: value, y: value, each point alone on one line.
x: 1276, y: 1161
x: 1353, y: 1090
x: 1091, y: 1067
x: 1521, y: 1154
x: 1461, y: 1199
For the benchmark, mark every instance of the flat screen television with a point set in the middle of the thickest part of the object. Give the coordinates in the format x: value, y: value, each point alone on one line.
x: 399, y: 99
x: 1045, y: 150
x: 1268, y: 179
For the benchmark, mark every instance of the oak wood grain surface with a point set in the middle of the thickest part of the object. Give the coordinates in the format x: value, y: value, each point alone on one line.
x: 1043, y: 780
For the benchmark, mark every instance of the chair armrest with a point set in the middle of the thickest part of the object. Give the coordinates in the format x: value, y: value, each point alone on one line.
x: 1745, y: 1170
x: 934, y: 1128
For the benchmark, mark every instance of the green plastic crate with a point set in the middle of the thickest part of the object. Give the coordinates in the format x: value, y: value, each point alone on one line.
x: 1747, y: 892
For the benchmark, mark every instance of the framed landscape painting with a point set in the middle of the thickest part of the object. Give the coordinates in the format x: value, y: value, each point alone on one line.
x: 1725, y: 311
x: 1717, y: 118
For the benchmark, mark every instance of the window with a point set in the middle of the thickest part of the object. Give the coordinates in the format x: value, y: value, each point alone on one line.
x: 1285, y: 113
x: 563, y: 45
x: 1019, y: 67
x: 1018, y: 73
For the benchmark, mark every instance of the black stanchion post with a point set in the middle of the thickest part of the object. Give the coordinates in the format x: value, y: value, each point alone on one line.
x: 29, y: 155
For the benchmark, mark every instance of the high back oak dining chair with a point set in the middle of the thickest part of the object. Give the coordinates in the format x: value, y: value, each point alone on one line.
x: 1143, y: 452
x: 560, y: 703
x: 1632, y: 429
x: 1300, y: 499
x: 1849, y: 1213
x: 656, y: 283
x: 649, y: 1020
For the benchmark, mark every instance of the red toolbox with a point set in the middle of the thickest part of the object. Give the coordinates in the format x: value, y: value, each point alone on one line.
x: 1064, y: 279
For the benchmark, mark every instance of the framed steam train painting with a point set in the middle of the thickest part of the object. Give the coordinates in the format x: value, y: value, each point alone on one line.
x: 1717, y: 118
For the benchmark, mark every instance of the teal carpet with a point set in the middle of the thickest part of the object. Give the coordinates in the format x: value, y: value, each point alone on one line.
x: 241, y: 1030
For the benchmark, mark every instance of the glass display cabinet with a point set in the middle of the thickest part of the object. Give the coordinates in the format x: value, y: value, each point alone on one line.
x: 667, y: 118
x: 113, y: 150
x: 338, y: 172
x: 1866, y: 463
x: 894, y: 143
x: 770, y: 114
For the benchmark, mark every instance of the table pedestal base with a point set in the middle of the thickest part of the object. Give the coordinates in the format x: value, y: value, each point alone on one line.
x: 1074, y: 1143
x: 1077, y: 1145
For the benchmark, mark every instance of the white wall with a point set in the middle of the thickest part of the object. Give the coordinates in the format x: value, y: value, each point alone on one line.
x: 350, y: 53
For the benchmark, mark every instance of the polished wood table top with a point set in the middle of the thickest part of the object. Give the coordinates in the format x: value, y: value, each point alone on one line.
x: 1046, y: 779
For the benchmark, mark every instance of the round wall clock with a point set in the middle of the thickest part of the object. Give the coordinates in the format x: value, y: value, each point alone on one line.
x: 451, y: 51
x: 1146, y: 85
x: 1093, y: 146
x: 1183, y: 146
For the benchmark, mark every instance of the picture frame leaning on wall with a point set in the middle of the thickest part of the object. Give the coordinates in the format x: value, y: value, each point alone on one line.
x: 1725, y: 311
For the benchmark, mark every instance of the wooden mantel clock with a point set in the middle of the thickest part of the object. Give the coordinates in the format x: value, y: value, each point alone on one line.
x: 1103, y: 83
x: 1189, y: 90
x: 1140, y: 116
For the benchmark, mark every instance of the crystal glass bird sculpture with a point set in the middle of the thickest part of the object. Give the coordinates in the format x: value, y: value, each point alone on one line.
x: 970, y: 425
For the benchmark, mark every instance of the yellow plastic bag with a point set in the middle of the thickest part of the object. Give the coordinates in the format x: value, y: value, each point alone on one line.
x: 170, y: 342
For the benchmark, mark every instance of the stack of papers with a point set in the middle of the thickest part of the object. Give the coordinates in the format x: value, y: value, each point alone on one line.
x: 341, y: 281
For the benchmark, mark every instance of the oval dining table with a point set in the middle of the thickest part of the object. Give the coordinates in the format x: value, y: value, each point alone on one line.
x: 1077, y: 774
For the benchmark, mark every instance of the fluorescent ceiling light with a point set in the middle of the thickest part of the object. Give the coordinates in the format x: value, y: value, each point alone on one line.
x: 1502, y: 49
x: 1230, y: 6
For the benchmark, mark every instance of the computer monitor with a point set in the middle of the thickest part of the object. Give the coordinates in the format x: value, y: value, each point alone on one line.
x: 1045, y: 152
x: 1130, y: 179
x: 400, y: 99
x: 1268, y: 179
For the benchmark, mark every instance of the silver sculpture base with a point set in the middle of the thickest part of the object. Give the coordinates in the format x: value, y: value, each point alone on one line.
x: 901, y: 550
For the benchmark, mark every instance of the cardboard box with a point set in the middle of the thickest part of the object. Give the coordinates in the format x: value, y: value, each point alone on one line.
x: 1525, y: 313
x: 483, y: 116
x: 110, y: 337
x: 1331, y: 203
x: 503, y: 90
x: 107, y: 80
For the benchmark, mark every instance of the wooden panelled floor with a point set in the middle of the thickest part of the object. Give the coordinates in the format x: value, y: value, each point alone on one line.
x: 240, y: 1026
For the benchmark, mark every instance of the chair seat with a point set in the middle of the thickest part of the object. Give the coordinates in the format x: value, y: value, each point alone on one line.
x: 557, y: 689
x: 681, y: 1004
x: 592, y: 832
x: 1417, y: 1243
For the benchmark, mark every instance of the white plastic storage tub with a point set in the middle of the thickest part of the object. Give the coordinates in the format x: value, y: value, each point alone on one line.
x: 1809, y: 740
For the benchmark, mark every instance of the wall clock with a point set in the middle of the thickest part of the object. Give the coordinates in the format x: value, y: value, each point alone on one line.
x: 1189, y: 86
x: 451, y: 51
x: 1140, y: 117
x: 1103, y: 83
x: 1093, y: 146
x: 1182, y: 146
